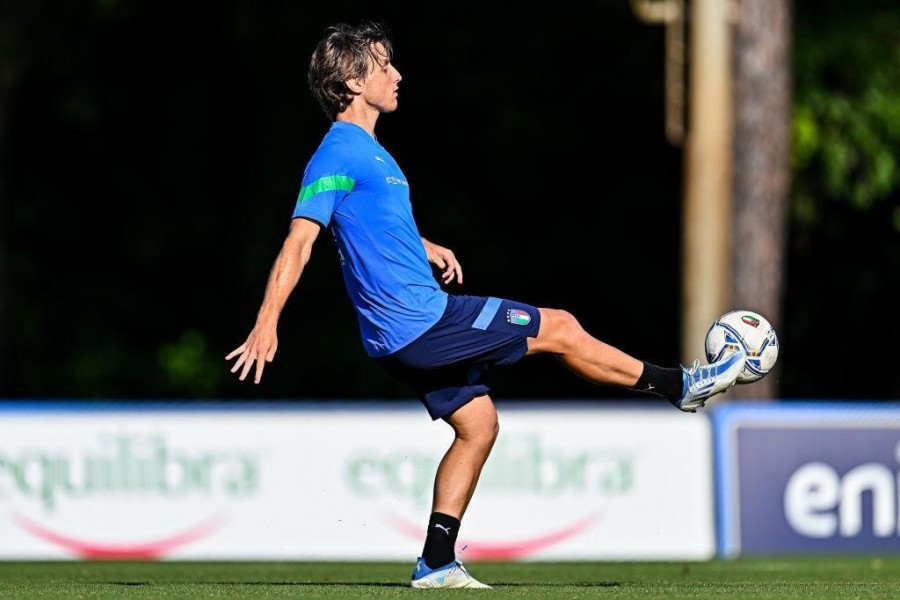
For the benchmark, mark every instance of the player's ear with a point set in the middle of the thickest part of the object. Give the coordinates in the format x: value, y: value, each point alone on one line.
x: 355, y: 85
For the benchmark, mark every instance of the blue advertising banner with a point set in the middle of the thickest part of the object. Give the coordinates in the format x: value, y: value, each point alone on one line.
x: 807, y: 478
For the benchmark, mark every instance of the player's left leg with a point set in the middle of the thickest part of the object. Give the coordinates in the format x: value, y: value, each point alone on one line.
x: 598, y: 362
x: 475, y: 426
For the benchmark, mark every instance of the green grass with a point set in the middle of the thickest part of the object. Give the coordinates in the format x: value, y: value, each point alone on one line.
x: 823, y: 577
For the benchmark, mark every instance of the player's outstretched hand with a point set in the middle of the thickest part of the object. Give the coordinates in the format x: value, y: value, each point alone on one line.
x: 259, y: 348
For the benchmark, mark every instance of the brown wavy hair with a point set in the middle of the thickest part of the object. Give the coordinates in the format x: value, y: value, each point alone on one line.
x: 343, y: 54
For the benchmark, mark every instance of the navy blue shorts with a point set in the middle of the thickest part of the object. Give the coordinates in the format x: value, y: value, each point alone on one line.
x: 444, y: 365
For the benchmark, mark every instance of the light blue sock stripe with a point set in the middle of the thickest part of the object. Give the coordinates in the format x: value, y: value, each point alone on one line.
x: 487, y: 313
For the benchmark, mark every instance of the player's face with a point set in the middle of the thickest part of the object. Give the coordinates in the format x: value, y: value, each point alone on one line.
x: 380, y: 85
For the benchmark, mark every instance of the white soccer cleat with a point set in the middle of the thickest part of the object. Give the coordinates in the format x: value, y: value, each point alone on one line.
x: 703, y: 381
x: 452, y: 575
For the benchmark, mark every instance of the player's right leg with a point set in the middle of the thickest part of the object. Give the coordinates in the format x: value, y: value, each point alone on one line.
x: 475, y: 426
x: 452, y: 575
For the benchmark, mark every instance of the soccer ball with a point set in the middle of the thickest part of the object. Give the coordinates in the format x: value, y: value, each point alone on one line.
x: 752, y: 333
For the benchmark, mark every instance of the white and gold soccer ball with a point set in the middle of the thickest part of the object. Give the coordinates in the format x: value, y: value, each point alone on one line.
x: 748, y: 331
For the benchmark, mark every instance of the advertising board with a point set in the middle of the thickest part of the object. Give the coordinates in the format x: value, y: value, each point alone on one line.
x: 332, y: 481
x: 808, y: 478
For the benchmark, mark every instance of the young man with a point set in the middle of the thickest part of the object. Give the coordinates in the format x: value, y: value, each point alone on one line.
x: 439, y: 344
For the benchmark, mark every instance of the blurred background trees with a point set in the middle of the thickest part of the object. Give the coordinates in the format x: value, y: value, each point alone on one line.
x: 151, y: 157
x: 844, y: 255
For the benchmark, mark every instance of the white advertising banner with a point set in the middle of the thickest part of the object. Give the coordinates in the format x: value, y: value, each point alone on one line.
x: 290, y: 482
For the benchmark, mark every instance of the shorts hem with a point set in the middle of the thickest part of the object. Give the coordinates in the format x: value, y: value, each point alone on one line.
x: 466, y: 396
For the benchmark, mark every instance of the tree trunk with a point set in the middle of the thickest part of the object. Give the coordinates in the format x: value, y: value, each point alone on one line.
x: 761, y: 176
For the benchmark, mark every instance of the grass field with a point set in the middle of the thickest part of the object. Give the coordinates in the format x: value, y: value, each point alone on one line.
x: 851, y: 577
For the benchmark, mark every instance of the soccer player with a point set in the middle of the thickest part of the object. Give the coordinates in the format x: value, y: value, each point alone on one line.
x: 437, y: 343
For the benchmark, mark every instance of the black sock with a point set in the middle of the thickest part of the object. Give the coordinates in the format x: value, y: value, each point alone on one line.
x: 662, y: 381
x: 440, y: 540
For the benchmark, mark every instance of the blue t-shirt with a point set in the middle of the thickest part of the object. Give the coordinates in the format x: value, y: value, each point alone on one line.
x: 355, y: 188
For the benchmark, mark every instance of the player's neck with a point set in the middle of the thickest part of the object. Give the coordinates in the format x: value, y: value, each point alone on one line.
x: 364, y: 118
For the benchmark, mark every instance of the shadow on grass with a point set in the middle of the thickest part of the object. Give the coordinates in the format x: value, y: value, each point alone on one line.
x: 600, y: 584
x: 236, y: 583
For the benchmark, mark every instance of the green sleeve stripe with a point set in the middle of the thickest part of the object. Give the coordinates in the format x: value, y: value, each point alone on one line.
x: 326, y: 184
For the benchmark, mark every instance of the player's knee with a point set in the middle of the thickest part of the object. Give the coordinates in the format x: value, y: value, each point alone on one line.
x: 476, y: 422
x: 563, y: 328
x: 485, y: 432
x: 487, y: 429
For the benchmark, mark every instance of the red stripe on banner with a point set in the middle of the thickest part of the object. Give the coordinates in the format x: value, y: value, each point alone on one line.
x: 150, y: 550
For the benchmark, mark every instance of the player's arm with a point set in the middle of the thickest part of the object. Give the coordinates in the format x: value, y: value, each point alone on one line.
x: 445, y: 260
x: 262, y: 342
